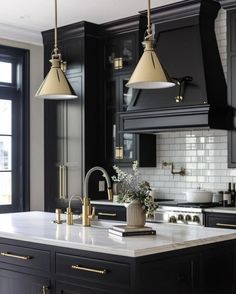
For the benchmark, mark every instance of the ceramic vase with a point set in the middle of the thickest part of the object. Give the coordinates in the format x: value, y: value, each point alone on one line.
x: 135, y: 215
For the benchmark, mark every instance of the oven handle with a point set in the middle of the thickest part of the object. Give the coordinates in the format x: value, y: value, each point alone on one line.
x: 226, y: 225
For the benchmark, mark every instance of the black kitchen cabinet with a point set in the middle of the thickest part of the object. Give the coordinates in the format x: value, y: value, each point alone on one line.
x: 124, y: 148
x: 110, y: 212
x: 122, y: 51
x: 24, y: 269
x: 220, y: 220
x: 231, y: 74
x: 66, y: 288
x: 195, y: 270
x: 14, y: 282
x: 173, y: 275
x: 217, y: 271
x: 74, y: 130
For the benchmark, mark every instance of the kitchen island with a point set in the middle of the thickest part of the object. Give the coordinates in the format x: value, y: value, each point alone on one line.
x: 39, y: 256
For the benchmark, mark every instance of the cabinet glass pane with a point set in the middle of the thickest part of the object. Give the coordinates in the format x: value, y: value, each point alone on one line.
x: 127, y: 95
x: 128, y: 143
x: 5, y: 153
x: 5, y: 72
x: 127, y: 52
x: 5, y: 188
x: 5, y: 117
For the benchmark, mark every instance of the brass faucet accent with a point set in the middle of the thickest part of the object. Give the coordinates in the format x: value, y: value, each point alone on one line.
x: 88, y: 213
x: 182, y: 171
x: 106, y: 176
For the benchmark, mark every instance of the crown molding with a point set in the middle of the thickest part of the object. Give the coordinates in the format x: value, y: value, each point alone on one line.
x: 15, y: 33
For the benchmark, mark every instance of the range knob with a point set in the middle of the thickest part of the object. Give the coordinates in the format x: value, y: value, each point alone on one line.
x: 196, y: 219
x: 188, y: 218
x: 172, y: 219
x: 180, y: 217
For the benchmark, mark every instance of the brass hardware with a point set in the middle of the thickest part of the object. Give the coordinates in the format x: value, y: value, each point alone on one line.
x: 8, y: 254
x: 118, y: 63
x: 181, y: 83
x: 109, y: 193
x: 179, y: 98
x: 182, y: 171
x: 119, y: 153
x: 226, y: 225
x: 64, y: 66
x: 62, y: 181
x: 69, y: 216
x: 45, y: 289
x: 107, y: 214
x: 58, y: 216
x: 87, y: 269
x: 87, y: 214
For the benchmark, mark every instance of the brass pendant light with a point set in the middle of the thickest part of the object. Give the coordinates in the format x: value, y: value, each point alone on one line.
x: 55, y: 85
x: 149, y: 73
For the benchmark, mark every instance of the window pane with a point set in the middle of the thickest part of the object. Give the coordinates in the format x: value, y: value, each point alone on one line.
x: 5, y: 117
x: 5, y: 72
x: 5, y: 153
x: 5, y: 188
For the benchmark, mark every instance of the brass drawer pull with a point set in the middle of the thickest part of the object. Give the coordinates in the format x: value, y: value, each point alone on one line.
x: 107, y: 214
x: 226, y: 225
x: 45, y: 289
x: 87, y: 269
x: 8, y: 254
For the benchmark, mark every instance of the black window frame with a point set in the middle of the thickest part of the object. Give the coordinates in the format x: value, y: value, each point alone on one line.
x: 18, y: 91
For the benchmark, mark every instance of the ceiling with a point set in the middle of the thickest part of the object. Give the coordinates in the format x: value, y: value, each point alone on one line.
x: 23, y: 20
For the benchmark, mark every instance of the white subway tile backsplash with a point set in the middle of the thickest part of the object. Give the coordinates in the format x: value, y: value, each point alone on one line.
x: 205, y: 164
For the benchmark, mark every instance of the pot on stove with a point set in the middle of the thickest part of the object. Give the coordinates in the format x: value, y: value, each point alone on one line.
x: 199, y: 196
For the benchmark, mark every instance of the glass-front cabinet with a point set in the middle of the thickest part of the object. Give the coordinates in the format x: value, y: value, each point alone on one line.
x: 121, y: 53
x: 124, y: 148
x: 118, y: 99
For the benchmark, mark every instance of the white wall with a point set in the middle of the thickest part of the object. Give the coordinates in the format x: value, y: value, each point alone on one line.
x: 36, y: 124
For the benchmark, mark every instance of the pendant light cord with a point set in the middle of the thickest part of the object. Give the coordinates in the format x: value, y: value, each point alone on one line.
x: 55, y: 31
x: 149, y: 27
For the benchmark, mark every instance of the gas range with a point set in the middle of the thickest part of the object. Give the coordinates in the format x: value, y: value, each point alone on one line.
x: 182, y: 212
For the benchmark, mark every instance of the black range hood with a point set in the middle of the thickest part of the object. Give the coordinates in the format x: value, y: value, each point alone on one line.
x: 187, y: 47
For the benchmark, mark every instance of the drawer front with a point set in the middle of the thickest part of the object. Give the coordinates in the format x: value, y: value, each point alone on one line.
x: 221, y: 221
x: 111, y: 212
x: 26, y: 257
x: 94, y: 270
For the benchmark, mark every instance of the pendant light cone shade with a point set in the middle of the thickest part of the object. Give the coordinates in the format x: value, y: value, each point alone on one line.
x: 149, y: 73
x: 55, y: 85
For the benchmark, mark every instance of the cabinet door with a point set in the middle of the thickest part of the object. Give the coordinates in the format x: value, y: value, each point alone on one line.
x: 121, y: 52
x: 217, y: 271
x: 231, y: 73
x: 124, y: 148
x: 173, y: 275
x: 221, y: 220
x: 13, y: 282
x: 66, y: 288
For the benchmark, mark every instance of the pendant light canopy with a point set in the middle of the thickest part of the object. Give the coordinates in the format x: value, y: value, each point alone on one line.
x: 55, y: 85
x: 149, y: 73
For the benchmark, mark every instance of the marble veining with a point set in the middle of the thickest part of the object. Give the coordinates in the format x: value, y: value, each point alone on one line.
x: 38, y: 227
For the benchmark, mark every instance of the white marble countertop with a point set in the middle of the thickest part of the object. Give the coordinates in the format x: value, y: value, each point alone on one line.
x: 221, y: 209
x: 38, y: 227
